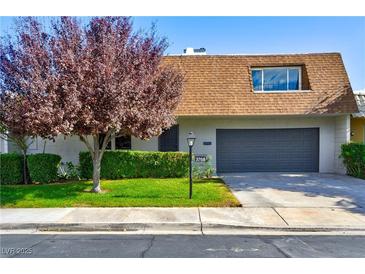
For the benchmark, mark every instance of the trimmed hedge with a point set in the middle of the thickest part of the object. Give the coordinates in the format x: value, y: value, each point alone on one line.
x: 11, y: 168
x: 353, y: 155
x: 119, y: 164
x: 43, y: 167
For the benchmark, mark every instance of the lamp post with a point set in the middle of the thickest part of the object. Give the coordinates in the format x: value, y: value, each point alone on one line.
x: 191, y: 139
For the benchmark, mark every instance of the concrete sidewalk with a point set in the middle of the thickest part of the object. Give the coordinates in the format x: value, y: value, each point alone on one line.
x: 182, y: 220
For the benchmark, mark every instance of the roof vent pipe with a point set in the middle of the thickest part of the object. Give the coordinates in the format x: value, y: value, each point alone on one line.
x: 192, y: 51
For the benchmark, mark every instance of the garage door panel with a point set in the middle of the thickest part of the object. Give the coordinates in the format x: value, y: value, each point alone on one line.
x: 248, y: 150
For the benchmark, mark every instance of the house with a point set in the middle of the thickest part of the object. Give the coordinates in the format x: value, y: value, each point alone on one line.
x: 253, y: 113
x: 358, y: 119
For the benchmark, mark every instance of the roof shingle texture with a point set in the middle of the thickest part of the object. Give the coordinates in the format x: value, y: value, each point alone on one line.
x: 222, y: 85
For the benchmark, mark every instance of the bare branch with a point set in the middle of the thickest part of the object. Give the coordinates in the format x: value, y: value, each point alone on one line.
x: 105, y: 142
x: 88, y: 145
x: 5, y: 137
x: 121, y: 133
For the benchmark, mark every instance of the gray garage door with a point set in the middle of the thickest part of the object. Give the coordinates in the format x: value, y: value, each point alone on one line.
x: 250, y: 150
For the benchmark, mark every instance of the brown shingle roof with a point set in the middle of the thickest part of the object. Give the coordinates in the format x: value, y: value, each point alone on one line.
x: 222, y: 85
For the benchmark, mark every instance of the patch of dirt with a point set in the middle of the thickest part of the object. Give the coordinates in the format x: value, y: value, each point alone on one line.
x: 101, y: 192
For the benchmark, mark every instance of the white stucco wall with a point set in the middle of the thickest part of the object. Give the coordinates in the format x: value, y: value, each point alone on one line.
x: 68, y: 147
x: 333, y: 131
x: 3, y: 146
x: 342, y: 136
x: 205, y: 130
x: 151, y: 145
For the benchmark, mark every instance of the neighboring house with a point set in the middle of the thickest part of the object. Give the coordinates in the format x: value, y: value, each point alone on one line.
x: 254, y: 113
x: 358, y: 119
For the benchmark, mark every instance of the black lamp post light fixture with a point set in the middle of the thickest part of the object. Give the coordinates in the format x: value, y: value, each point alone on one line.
x: 191, y: 140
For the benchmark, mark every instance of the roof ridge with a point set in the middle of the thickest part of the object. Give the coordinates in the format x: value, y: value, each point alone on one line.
x: 254, y: 54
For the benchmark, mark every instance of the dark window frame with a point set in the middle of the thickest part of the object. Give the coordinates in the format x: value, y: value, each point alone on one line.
x: 109, y: 146
x: 162, y: 146
x: 129, y: 142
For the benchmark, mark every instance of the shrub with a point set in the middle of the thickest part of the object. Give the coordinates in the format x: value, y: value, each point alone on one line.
x: 43, y: 167
x: 69, y: 171
x: 203, y: 170
x: 353, y: 155
x: 137, y: 164
x: 11, y: 168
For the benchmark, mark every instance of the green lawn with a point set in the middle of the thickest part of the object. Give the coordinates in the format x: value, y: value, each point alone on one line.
x: 144, y: 192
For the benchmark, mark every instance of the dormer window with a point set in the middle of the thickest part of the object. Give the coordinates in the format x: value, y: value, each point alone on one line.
x: 276, y: 79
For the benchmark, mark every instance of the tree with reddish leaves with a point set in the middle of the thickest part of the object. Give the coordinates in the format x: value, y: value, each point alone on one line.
x: 93, y: 81
x: 25, y: 79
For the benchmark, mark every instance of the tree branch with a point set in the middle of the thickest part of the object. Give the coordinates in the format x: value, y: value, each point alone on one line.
x: 88, y: 145
x: 121, y: 133
x: 5, y: 136
x: 105, y: 142
x: 20, y: 141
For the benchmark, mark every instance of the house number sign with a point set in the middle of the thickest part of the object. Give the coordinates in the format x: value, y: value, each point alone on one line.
x: 201, y: 158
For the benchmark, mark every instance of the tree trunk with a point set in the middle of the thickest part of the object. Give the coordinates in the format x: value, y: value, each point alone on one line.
x: 96, y: 175
x: 44, y: 146
x: 96, y: 165
x: 96, y: 155
x: 25, y: 165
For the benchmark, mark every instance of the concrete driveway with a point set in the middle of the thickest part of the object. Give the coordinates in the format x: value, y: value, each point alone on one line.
x: 298, y: 190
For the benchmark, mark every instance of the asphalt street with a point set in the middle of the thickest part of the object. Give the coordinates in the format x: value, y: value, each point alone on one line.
x: 179, y: 246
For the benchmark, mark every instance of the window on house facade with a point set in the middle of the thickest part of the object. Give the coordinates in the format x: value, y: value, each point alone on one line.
x: 169, y: 139
x: 276, y: 79
x: 101, y: 140
x: 121, y: 142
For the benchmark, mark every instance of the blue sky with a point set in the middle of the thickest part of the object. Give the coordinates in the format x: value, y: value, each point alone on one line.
x: 233, y: 35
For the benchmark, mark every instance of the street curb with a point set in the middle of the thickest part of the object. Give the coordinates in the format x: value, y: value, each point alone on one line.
x: 103, y: 226
x: 217, y: 227
x: 181, y: 227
